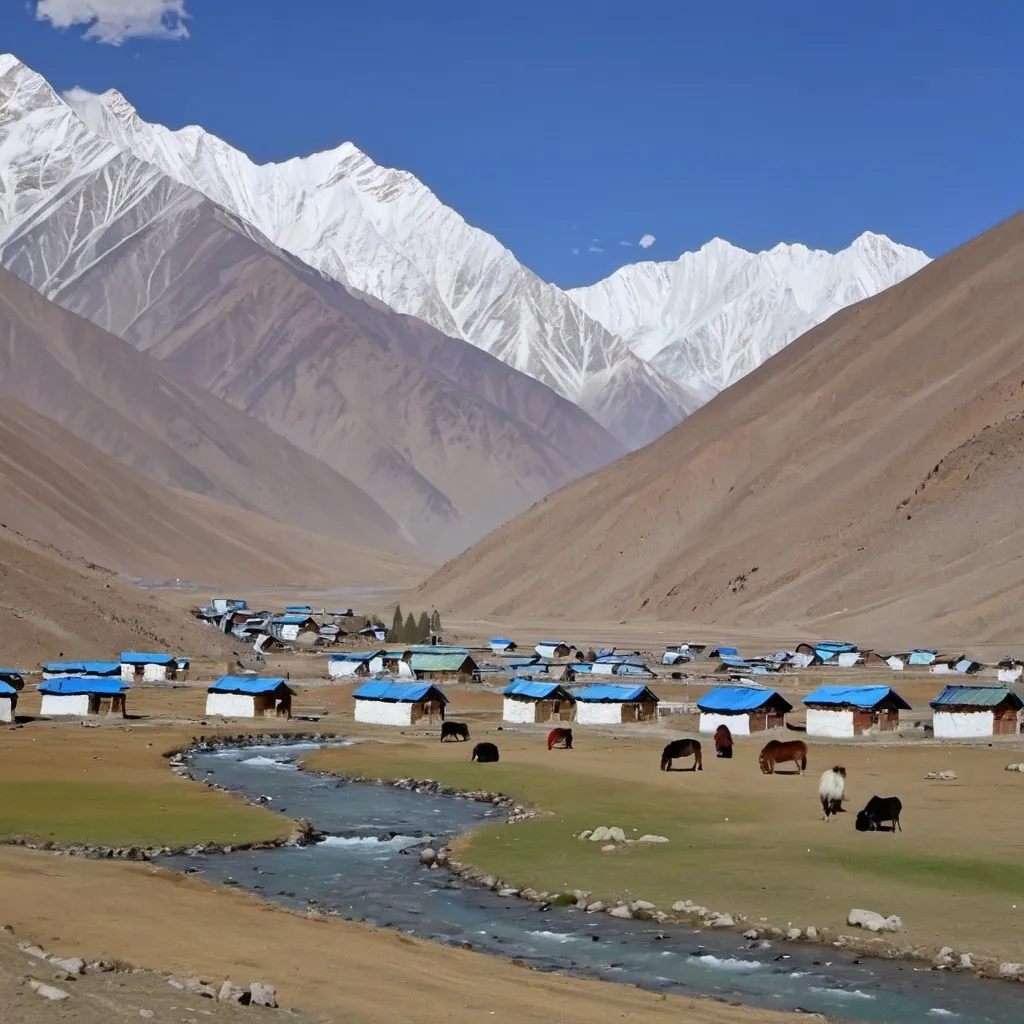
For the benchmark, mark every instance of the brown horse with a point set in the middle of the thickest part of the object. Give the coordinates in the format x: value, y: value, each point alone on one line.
x: 775, y: 752
x: 560, y: 738
x: 723, y: 741
x: 682, y: 748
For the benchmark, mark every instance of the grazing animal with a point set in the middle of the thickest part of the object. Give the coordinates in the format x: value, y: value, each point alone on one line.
x: 776, y: 752
x: 484, y: 752
x: 723, y: 741
x: 879, y: 810
x: 682, y: 748
x: 454, y: 731
x: 831, y: 790
x: 560, y: 738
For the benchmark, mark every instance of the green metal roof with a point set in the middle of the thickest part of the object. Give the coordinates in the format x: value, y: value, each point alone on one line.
x: 440, y: 662
x: 975, y: 696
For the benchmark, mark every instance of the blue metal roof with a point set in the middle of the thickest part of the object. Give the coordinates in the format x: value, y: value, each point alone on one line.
x: 738, y: 698
x: 12, y: 672
x: 436, y: 649
x: 581, y: 667
x: 381, y: 689
x: 141, y: 658
x: 87, y: 668
x: 294, y: 608
x: 72, y: 686
x: 247, y: 684
x: 835, y: 646
x: 610, y: 692
x: 529, y: 688
x: 500, y: 640
x: 733, y: 661
x: 522, y: 660
x: 730, y: 651
x: 978, y: 696
x: 552, y: 643
x: 857, y: 696
x: 7, y: 691
x: 358, y: 655
x: 290, y: 620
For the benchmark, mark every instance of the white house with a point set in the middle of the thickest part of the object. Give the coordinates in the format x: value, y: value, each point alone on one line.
x: 964, y: 712
x: 606, y: 704
x: 742, y: 709
x: 553, y: 649
x: 250, y: 697
x: 385, y: 703
x: 76, y: 696
x: 527, y: 702
x: 8, y: 702
x: 356, y: 663
x: 502, y: 645
x: 139, y: 667
x: 843, y: 711
x: 294, y: 628
x: 81, y: 669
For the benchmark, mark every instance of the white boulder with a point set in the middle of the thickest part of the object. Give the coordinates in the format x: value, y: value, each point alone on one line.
x: 874, y: 922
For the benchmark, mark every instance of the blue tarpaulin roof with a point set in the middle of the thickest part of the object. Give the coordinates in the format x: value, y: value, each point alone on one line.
x: 857, y: 696
x: 610, y: 692
x: 979, y: 696
x: 734, y: 662
x: 7, y: 691
x: 73, y: 685
x: 731, y: 651
x: 381, y: 689
x: 294, y: 608
x: 500, y: 640
x: 141, y: 658
x: 358, y: 655
x: 289, y: 620
x: 529, y: 688
x: 835, y: 646
x: 521, y: 660
x: 739, y: 698
x: 247, y: 684
x: 11, y: 672
x: 86, y: 668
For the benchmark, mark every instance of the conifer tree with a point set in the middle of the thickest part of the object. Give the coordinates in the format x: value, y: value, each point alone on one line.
x: 423, y: 626
x: 409, y: 632
x: 396, y: 624
x: 435, y: 621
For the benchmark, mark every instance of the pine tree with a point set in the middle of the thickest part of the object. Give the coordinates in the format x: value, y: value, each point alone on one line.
x: 423, y: 626
x: 396, y: 625
x: 435, y: 621
x: 409, y: 632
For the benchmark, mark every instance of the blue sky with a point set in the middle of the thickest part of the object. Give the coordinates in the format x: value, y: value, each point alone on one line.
x: 580, y: 124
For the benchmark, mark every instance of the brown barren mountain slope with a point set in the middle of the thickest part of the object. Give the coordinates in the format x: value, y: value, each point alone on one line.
x: 136, y: 410
x: 53, y: 605
x: 865, y: 481
x: 59, y: 490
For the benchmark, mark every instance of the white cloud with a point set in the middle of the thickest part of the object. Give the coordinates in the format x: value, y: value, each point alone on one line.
x: 575, y: 252
x: 595, y: 248
x: 114, y: 21
x: 646, y: 242
x: 630, y: 244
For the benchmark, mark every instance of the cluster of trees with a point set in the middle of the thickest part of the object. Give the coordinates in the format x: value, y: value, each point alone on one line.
x: 411, y: 630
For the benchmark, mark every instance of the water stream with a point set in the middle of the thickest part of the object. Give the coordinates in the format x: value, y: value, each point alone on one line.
x: 368, y: 869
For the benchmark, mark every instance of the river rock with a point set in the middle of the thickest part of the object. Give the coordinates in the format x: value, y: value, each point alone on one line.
x: 682, y: 906
x: 585, y: 834
x: 793, y: 934
x: 722, y: 921
x: 616, y: 835
x: 874, y: 922
x: 1015, y: 767
x: 229, y: 993
x: 71, y: 964
x: 750, y: 933
x: 944, y: 958
x: 262, y: 995
x: 652, y: 839
x: 811, y: 932
x: 642, y: 905
x: 1011, y: 972
x: 442, y: 858
x: 48, y: 991
x: 595, y: 907
x: 946, y: 776
x: 199, y: 986
x: 428, y: 855
x: 610, y: 848
x: 966, y: 962
x: 622, y: 911
x: 599, y: 835
x: 507, y: 892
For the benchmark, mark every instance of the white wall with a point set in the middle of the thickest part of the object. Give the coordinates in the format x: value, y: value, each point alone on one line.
x: 1010, y: 675
x: 127, y: 672
x: 6, y: 709
x: 523, y: 711
x: 949, y: 725
x: 150, y: 673
x: 289, y: 632
x: 738, y: 725
x: 606, y: 668
x: 588, y: 713
x: 58, y: 704
x: 231, y: 705
x: 384, y: 712
x: 336, y: 669
x: 829, y: 723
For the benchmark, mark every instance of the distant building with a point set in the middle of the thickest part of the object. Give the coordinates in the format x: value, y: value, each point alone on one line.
x: 964, y: 712
x: 13, y: 677
x: 607, y: 704
x: 356, y: 663
x: 250, y: 697
x: 455, y: 667
x: 502, y: 645
x: 844, y: 711
x: 139, y: 667
x: 69, y: 695
x: 298, y: 628
x: 8, y: 701
x: 81, y: 669
x: 385, y: 703
x: 743, y: 709
x: 553, y: 649
x: 527, y: 701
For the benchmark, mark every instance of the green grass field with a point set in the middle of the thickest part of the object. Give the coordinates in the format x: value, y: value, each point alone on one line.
x: 724, y: 851
x: 122, y: 814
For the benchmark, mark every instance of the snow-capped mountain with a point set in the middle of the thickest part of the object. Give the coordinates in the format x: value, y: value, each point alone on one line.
x: 383, y: 232
x: 712, y: 316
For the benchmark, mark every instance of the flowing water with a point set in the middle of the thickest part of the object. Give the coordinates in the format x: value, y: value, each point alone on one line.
x: 368, y: 869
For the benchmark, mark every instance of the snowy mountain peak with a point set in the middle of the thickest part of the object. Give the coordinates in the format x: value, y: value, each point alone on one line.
x: 712, y: 316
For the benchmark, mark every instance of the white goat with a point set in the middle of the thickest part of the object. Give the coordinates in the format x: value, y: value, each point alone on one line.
x: 831, y: 790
